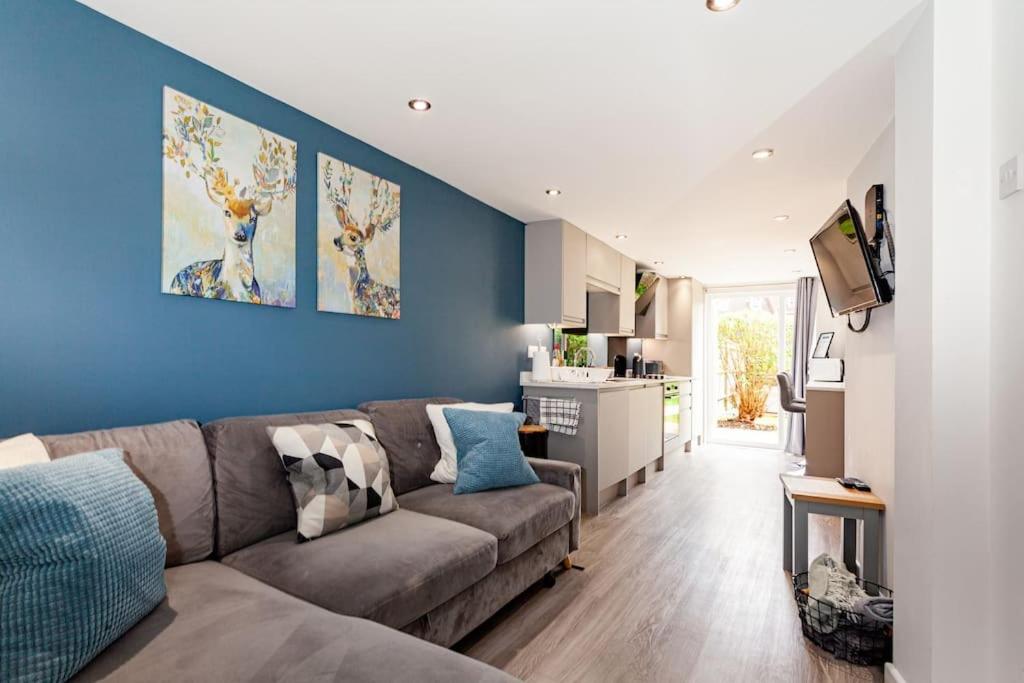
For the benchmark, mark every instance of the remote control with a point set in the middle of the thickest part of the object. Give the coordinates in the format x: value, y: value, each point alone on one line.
x: 854, y: 483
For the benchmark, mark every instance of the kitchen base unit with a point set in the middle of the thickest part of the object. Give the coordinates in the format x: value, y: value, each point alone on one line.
x: 620, y: 434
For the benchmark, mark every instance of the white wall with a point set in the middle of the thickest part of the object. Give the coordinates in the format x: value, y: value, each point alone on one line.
x: 944, y: 565
x: 870, y: 357
x: 824, y: 322
x: 913, y: 332
x: 1007, y: 363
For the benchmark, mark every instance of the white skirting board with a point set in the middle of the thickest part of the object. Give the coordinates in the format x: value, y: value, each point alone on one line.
x: 892, y: 675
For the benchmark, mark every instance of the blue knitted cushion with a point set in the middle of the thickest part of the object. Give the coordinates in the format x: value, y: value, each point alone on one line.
x: 81, y: 561
x: 487, y: 450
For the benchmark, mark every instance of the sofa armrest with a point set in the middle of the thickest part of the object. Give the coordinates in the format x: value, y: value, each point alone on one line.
x: 566, y: 475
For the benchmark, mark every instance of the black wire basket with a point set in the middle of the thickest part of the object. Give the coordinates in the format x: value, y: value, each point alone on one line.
x: 846, y: 635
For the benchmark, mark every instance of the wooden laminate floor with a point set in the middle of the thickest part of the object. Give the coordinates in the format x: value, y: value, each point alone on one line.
x: 683, y: 582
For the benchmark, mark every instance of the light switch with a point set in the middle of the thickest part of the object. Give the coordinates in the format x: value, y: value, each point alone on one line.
x: 1011, y: 177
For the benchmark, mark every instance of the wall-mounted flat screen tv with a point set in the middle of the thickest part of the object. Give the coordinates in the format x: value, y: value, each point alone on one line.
x: 847, y: 265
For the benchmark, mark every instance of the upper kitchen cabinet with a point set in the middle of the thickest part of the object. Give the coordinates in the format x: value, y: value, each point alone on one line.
x: 652, y: 312
x: 627, y: 297
x: 613, y: 314
x: 603, y: 268
x: 556, y: 274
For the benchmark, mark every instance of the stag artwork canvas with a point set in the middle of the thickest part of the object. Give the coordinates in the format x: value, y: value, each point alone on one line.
x: 358, y: 235
x: 229, y: 206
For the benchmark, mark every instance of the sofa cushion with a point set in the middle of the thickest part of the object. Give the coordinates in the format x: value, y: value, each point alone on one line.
x: 488, y: 450
x: 24, y: 449
x: 254, y: 499
x: 447, y: 468
x: 220, y: 625
x: 81, y: 561
x: 170, y: 458
x: 338, y: 472
x: 518, y: 517
x: 391, y: 569
x: 404, y: 430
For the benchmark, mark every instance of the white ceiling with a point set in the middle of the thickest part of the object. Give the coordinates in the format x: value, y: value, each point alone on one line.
x: 643, y: 113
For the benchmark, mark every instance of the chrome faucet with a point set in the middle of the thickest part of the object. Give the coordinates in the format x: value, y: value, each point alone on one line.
x: 590, y: 356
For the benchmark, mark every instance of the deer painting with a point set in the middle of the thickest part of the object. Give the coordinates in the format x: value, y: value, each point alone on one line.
x: 195, y: 142
x: 352, y: 233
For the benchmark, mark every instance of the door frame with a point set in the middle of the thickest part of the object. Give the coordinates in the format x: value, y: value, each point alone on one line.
x: 781, y: 289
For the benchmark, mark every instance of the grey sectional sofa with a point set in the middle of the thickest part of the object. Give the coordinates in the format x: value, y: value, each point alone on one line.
x: 245, y: 601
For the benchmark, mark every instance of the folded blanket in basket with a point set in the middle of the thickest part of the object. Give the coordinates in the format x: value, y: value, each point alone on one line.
x: 835, y: 591
x: 560, y: 415
x: 875, y: 609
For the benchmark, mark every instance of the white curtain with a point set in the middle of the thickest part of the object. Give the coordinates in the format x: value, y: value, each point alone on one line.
x: 803, y: 333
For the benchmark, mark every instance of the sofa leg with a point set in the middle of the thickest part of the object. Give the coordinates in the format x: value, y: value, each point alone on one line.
x: 549, y: 580
x: 567, y: 562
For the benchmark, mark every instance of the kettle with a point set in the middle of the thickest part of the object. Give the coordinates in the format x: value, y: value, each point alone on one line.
x: 619, y: 365
x: 638, y: 365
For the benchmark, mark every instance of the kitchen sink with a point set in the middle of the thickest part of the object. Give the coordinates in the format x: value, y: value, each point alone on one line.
x: 581, y: 375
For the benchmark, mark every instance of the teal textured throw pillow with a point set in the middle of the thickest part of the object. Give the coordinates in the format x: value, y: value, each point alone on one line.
x: 81, y: 561
x: 487, y: 449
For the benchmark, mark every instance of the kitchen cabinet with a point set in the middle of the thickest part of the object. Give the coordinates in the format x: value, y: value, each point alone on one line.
x: 645, y: 426
x: 603, y: 266
x: 654, y: 423
x: 613, y: 442
x: 627, y: 296
x: 555, y: 274
x: 620, y: 433
x: 613, y: 314
x: 635, y: 429
x: 661, y: 310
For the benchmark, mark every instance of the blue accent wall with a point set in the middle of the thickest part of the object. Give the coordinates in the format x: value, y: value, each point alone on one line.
x: 86, y: 338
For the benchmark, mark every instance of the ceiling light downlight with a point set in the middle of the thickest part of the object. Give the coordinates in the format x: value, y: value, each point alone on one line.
x: 781, y: 218
x: 659, y: 263
x: 721, y: 5
x: 419, y: 104
x: 622, y: 236
x: 552, y: 192
x: 763, y: 154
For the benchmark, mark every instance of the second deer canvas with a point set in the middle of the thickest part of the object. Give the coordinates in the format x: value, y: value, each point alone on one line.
x: 358, y: 235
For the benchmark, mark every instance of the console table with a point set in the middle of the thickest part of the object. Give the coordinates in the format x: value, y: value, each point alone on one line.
x: 802, y: 496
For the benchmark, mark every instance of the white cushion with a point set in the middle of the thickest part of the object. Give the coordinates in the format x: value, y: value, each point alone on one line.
x: 447, y: 467
x: 25, y: 449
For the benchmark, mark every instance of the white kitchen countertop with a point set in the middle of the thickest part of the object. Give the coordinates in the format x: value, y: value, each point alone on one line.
x: 610, y: 385
x: 816, y: 385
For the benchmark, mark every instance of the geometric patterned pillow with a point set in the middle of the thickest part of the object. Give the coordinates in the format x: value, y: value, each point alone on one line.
x: 339, y: 474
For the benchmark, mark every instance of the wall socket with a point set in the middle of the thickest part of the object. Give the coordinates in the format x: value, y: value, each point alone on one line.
x: 1011, y: 177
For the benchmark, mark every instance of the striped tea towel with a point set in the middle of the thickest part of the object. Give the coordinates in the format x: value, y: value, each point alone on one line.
x: 560, y: 415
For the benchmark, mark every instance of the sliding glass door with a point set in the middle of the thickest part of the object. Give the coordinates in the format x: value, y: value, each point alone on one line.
x: 749, y: 340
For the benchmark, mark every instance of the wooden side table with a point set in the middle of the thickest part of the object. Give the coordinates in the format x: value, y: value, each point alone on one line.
x: 533, y: 439
x: 802, y: 496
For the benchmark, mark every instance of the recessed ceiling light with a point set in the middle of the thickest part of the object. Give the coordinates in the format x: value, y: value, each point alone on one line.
x: 419, y: 105
x: 789, y: 251
x: 721, y: 5
x: 763, y: 153
x: 552, y: 192
x: 798, y: 271
x: 659, y: 263
x: 782, y: 217
x: 622, y: 236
